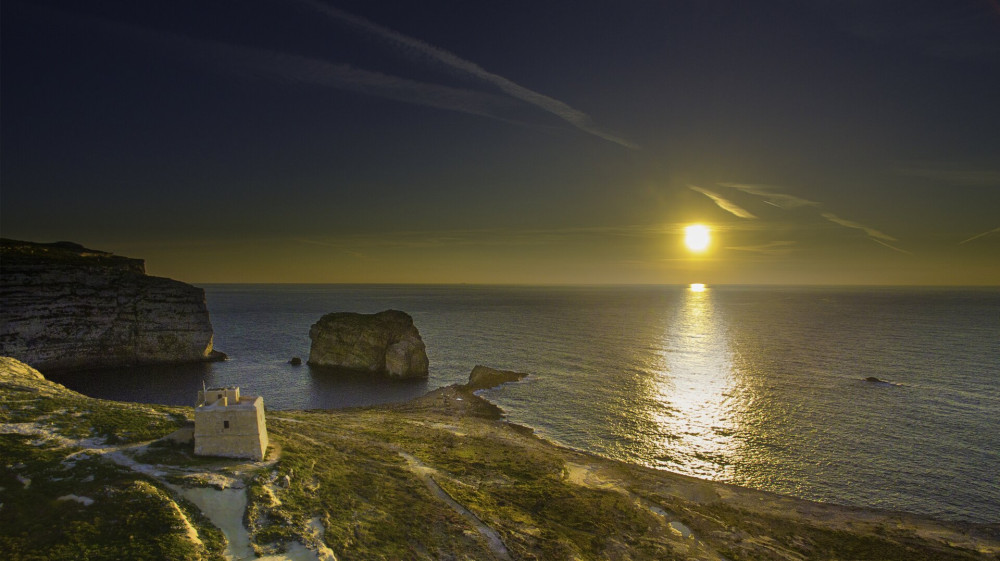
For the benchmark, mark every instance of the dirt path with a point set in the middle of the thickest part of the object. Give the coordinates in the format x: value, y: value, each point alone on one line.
x: 426, y: 473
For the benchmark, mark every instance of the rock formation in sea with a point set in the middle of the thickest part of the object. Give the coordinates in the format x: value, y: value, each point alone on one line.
x: 66, y: 307
x: 484, y: 377
x: 384, y: 343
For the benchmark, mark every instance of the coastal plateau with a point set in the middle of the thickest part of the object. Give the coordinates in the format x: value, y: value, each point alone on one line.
x: 440, y: 477
x: 66, y: 307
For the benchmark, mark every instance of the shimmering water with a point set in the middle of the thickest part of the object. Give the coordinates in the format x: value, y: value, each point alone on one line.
x: 762, y: 387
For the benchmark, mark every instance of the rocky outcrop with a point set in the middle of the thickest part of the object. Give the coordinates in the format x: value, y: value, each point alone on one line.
x: 65, y: 307
x: 385, y: 343
x: 484, y: 377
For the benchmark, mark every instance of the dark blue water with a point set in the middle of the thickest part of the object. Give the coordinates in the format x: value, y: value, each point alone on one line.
x: 763, y: 387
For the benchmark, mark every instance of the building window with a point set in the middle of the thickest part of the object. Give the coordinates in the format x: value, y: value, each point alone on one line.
x: 225, y: 424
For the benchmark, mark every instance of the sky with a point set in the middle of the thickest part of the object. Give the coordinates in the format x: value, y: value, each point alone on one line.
x: 515, y: 142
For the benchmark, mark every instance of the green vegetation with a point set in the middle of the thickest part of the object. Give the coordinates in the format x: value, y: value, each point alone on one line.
x: 77, y: 416
x: 44, y: 515
x: 59, y: 501
x: 814, y: 542
x: 350, y: 469
x: 441, y: 477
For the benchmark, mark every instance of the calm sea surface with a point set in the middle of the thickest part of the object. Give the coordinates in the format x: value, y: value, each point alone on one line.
x: 763, y: 387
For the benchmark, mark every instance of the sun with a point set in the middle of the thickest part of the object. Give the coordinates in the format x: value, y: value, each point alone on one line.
x: 697, y: 238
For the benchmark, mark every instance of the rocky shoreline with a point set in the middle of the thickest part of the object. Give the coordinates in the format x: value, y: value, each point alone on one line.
x: 440, y: 477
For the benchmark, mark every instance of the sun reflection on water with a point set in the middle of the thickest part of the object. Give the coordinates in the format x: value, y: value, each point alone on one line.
x: 694, y: 413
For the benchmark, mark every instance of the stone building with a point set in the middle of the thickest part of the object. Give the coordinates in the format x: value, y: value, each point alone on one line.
x: 228, y: 424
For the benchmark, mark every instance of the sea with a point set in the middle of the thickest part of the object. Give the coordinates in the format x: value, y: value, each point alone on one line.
x: 763, y: 387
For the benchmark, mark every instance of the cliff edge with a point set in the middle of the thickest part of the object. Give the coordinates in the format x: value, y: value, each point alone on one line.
x: 66, y: 307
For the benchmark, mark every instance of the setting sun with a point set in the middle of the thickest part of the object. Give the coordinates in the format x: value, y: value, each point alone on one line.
x: 696, y: 237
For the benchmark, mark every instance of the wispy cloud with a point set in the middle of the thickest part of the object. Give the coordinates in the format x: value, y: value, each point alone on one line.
x: 892, y: 247
x: 871, y: 232
x: 952, y: 174
x: 257, y: 63
x: 943, y: 29
x: 491, y: 237
x: 783, y: 247
x: 786, y: 201
x: 723, y: 203
x: 977, y: 236
x: 558, y: 108
x: 780, y: 200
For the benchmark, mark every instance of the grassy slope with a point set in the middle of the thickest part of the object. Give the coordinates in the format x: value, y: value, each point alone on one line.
x: 348, y: 468
x: 369, y: 476
x: 132, y: 516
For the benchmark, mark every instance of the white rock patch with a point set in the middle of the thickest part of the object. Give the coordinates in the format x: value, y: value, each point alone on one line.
x: 85, y: 501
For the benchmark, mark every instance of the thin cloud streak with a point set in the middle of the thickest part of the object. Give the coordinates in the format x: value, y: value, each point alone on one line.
x: 892, y: 247
x: 785, y: 201
x: 871, y: 232
x: 573, y: 116
x: 782, y: 247
x: 780, y: 200
x: 258, y: 63
x: 953, y: 175
x: 492, y: 237
x: 723, y: 203
x: 977, y: 236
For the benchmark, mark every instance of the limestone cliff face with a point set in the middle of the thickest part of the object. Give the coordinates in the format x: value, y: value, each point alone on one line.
x: 385, y: 343
x: 67, y: 307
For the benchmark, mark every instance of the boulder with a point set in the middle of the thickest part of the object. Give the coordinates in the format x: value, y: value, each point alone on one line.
x: 296, y: 361
x: 484, y: 377
x: 383, y: 343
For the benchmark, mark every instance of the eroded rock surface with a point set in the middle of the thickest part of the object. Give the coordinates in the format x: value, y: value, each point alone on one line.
x: 384, y: 343
x: 66, y: 307
x: 484, y: 377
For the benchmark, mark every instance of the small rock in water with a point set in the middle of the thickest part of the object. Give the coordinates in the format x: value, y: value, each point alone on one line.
x: 296, y: 361
x: 875, y: 380
x: 484, y: 377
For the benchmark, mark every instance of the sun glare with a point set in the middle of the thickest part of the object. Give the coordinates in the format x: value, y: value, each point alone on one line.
x: 697, y: 287
x: 696, y: 237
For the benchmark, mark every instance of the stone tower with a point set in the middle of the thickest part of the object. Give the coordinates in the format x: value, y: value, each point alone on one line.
x: 228, y: 424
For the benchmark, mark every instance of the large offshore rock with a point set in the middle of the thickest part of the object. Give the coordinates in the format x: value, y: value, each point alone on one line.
x: 384, y: 343
x: 65, y: 307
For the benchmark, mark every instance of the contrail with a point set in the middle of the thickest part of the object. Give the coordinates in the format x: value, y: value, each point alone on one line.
x: 723, y: 203
x: 871, y: 232
x: 977, y: 236
x: 780, y: 200
x: 294, y: 69
x: 892, y: 247
x: 782, y: 247
x: 573, y: 116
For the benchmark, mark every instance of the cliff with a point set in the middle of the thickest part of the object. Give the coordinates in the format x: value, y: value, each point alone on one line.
x: 384, y: 343
x: 440, y: 477
x: 67, y: 307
